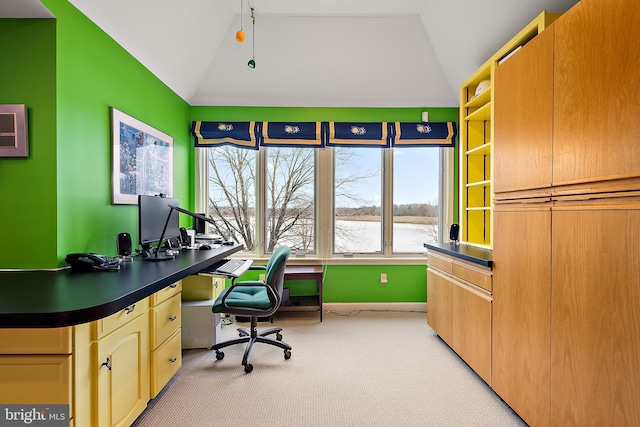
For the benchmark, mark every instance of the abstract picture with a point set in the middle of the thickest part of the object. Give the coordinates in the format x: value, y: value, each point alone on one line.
x: 142, y: 160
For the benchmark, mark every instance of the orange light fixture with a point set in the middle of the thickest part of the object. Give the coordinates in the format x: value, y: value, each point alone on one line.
x: 240, y: 33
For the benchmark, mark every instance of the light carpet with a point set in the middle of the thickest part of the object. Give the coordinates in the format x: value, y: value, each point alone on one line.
x: 366, y: 369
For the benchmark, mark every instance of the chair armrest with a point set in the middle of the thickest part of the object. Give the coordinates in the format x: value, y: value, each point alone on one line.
x: 258, y: 267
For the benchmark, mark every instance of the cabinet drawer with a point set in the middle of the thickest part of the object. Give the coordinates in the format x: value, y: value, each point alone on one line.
x: 166, y: 293
x: 165, y: 362
x: 36, y: 341
x: 202, y: 287
x: 116, y: 320
x: 472, y: 274
x: 35, y: 379
x: 165, y: 320
x: 441, y: 262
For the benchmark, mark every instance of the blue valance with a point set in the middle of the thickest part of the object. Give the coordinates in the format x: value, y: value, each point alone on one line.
x: 319, y: 134
x: 241, y: 134
x: 362, y: 134
x: 283, y: 134
x: 420, y: 134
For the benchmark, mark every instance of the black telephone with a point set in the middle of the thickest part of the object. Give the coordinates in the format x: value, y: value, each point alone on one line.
x: 89, y: 261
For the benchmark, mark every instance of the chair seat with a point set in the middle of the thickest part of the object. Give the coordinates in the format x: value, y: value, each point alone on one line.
x: 255, y: 297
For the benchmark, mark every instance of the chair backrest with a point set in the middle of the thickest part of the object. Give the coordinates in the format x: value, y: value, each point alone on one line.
x: 274, y: 275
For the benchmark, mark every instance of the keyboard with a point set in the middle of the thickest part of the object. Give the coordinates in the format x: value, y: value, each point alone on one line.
x: 233, y: 267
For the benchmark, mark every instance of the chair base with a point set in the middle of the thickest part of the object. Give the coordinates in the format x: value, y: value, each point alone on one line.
x: 251, y: 336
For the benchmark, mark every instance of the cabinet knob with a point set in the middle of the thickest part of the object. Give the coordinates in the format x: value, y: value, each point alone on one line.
x: 107, y: 364
x: 172, y: 318
x: 130, y: 309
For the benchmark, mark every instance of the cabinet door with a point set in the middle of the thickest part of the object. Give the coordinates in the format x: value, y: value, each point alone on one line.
x: 521, y: 312
x: 596, y: 95
x: 523, y: 117
x: 36, y: 379
x: 440, y: 304
x: 472, y: 329
x: 595, y: 318
x: 122, y: 368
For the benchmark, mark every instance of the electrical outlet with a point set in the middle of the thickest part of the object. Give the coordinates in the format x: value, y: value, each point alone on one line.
x: 263, y: 277
x: 383, y: 278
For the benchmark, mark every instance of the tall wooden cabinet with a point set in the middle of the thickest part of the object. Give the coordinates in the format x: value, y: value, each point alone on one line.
x: 566, y: 319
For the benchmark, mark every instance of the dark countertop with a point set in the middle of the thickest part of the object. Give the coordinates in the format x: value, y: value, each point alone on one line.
x: 466, y: 252
x: 42, y: 299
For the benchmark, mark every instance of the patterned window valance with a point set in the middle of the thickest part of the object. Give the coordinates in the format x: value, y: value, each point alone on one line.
x: 420, y: 134
x: 359, y: 134
x: 308, y: 134
x: 319, y: 134
x: 241, y: 134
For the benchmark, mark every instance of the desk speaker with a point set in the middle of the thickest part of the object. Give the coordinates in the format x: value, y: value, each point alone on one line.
x: 453, y: 232
x: 124, y: 244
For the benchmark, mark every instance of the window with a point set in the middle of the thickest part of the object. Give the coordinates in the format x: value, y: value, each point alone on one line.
x: 415, y: 198
x: 357, y: 200
x: 290, y: 199
x: 373, y: 201
x: 232, y: 193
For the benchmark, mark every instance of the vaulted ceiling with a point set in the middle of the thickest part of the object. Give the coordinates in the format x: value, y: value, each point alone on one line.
x: 321, y: 53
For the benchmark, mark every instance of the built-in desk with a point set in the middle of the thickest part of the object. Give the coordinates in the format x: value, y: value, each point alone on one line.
x: 104, y: 343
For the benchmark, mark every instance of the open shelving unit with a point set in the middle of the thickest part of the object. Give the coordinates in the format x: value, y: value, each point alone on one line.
x: 476, y: 145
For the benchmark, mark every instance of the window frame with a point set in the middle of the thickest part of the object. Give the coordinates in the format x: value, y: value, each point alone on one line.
x: 324, y: 206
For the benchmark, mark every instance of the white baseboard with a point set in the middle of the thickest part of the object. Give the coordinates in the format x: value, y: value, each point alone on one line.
x: 347, y: 307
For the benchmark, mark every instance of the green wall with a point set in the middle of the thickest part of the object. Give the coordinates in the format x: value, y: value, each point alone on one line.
x: 28, y: 189
x: 69, y: 73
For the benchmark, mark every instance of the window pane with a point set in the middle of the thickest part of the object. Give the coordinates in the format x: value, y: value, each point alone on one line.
x: 357, y: 197
x: 290, y: 216
x: 232, y: 194
x: 415, y: 198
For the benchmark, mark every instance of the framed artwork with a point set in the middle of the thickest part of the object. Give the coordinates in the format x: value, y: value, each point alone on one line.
x: 142, y: 160
x: 14, y: 141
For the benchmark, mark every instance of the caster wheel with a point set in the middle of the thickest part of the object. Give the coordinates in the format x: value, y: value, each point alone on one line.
x: 219, y: 355
x: 279, y: 337
x: 287, y: 354
x: 248, y: 368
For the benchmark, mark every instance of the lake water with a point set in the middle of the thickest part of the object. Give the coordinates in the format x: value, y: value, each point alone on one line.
x: 366, y: 236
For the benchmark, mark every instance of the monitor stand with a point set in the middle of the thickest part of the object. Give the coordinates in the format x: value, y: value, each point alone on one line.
x: 151, y: 254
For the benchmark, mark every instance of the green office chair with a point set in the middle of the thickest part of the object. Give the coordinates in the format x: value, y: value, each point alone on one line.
x: 255, y: 298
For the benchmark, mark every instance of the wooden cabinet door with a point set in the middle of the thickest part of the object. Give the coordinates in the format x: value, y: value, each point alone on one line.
x: 523, y: 117
x: 122, y: 368
x: 521, y: 312
x: 472, y: 328
x: 440, y: 304
x: 595, y: 317
x: 596, y: 92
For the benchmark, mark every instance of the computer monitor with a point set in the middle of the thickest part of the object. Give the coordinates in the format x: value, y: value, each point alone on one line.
x: 152, y: 216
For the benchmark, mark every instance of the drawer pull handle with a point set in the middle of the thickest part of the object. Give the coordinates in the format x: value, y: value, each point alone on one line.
x: 130, y: 309
x: 107, y: 364
x: 173, y: 359
x: 172, y: 318
x: 173, y: 286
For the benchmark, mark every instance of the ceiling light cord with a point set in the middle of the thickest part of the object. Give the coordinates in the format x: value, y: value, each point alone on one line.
x: 252, y: 62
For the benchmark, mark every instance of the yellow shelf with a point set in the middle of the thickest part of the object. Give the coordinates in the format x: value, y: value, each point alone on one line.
x: 481, y: 114
x: 483, y: 150
x: 480, y: 100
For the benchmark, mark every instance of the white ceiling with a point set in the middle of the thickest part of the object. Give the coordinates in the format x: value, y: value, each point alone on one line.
x: 320, y: 53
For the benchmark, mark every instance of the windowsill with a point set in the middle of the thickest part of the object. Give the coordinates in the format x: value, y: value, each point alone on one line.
x: 354, y: 260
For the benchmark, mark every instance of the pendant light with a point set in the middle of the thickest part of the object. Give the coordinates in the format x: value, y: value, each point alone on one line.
x: 252, y: 61
x: 240, y: 33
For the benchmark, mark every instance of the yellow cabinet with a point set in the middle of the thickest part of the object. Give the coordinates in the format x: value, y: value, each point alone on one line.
x: 165, y: 336
x: 42, y: 379
x: 122, y: 371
